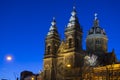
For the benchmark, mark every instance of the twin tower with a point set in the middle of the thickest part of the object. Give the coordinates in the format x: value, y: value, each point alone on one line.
x: 63, y: 59
x: 96, y: 41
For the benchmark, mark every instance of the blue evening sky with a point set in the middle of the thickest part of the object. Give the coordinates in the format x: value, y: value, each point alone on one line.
x: 25, y: 23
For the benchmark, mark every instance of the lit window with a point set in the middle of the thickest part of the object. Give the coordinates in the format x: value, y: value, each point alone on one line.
x: 32, y: 78
x: 68, y: 65
x: 98, y: 41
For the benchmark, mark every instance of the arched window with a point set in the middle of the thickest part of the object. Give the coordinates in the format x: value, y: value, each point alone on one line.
x: 70, y: 43
x: 98, y: 41
x: 48, y: 50
x: 55, y: 48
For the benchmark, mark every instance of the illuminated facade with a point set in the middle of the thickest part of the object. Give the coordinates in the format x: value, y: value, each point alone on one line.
x: 108, y: 72
x: 66, y: 60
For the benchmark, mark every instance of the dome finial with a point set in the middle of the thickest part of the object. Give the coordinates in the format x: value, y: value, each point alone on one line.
x: 96, y: 16
x: 96, y: 21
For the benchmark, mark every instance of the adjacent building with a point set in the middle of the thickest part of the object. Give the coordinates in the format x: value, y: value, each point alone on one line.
x: 26, y: 75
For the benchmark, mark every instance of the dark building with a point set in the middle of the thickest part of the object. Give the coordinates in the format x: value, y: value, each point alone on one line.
x: 26, y: 74
x: 66, y: 60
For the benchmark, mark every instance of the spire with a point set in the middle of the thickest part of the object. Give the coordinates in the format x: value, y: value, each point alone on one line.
x: 73, y: 15
x: 96, y: 21
x: 73, y: 19
x: 73, y: 12
x: 53, y: 24
x: 53, y: 27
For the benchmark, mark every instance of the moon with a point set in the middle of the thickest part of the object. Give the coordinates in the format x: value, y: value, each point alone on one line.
x: 9, y: 58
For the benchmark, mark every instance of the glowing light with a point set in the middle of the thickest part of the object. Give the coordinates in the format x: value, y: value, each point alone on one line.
x: 32, y: 78
x: 9, y: 58
x: 68, y: 65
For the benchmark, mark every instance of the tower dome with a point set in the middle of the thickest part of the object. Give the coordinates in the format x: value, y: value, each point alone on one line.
x: 96, y: 40
x: 96, y: 29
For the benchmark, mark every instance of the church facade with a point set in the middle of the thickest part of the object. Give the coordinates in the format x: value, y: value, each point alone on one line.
x: 67, y: 60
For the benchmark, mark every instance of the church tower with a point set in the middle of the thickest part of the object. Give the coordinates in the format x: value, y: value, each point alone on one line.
x: 52, y: 43
x: 96, y: 41
x: 73, y: 33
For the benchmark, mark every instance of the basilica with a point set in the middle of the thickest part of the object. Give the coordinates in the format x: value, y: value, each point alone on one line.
x: 67, y: 60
